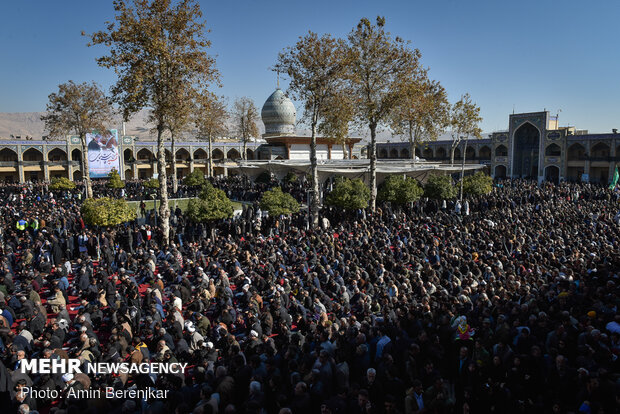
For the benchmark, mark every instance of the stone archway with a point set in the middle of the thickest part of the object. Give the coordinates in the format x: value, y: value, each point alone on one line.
x: 218, y: 154
x: 233, y: 154
x: 553, y: 150
x: 484, y: 153
x: 441, y: 154
x: 500, y: 171
x: 526, y: 151
x: 8, y: 155
x: 552, y: 174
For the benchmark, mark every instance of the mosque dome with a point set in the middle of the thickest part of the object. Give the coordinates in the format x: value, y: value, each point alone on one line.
x: 278, y: 114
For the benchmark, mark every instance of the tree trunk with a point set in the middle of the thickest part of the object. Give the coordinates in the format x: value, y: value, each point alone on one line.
x: 244, y: 156
x: 86, y: 168
x: 210, y: 164
x: 455, y: 144
x: 164, y: 211
x: 314, y: 166
x: 373, y: 166
x: 175, y: 184
x: 412, y: 144
x: 463, y: 167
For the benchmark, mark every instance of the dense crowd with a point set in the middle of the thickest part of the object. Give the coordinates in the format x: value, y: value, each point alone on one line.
x: 507, y: 303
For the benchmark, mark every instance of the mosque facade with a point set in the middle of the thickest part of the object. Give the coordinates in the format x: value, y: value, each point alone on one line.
x: 282, y: 143
x: 534, y: 146
x: 35, y: 160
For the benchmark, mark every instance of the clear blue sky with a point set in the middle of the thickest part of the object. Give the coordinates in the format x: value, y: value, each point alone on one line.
x: 527, y: 54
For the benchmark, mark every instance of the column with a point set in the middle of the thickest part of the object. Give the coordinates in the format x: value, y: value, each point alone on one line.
x: 46, y: 168
x: 586, y: 167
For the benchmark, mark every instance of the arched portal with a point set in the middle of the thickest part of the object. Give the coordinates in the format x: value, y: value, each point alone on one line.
x: 500, y: 171
x: 501, y: 151
x: 218, y: 154
x: 427, y: 153
x: 576, y: 152
x: 145, y: 155
x: 553, y: 150
x: 233, y: 154
x: 393, y: 153
x: 404, y: 153
x: 441, y: 153
x: 484, y: 153
x: 183, y: 155
x: 525, y: 154
x: 57, y: 155
x: 76, y: 155
x: 32, y: 154
x: 383, y: 153
x: 470, y: 153
x: 8, y: 155
x: 552, y: 173
x: 200, y: 154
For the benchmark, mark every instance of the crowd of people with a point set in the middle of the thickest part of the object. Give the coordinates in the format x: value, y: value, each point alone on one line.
x: 507, y: 305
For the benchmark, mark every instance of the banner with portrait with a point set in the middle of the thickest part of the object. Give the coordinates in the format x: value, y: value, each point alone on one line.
x: 103, y: 156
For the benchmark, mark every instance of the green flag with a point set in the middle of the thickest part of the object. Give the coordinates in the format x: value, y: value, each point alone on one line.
x: 614, y: 181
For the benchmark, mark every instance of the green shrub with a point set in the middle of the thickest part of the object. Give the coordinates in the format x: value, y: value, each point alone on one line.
x: 278, y: 203
x: 477, y: 184
x: 194, y: 179
x: 62, y: 183
x: 115, y: 180
x: 152, y: 184
x: 440, y: 187
x: 348, y: 194
x: 211, y: 204
x: 264, y: 177
x: 400, y: 190
x: 107, y: 211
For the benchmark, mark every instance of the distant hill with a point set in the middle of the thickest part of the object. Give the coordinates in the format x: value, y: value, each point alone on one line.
x: 29, y: 124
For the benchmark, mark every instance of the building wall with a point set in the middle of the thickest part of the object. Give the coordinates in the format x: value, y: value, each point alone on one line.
x: 22, y: 160
x: 594, y: 155
x: 302, y: 151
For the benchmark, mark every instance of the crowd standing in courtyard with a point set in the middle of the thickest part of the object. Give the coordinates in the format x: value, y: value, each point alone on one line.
x: 505, y: 303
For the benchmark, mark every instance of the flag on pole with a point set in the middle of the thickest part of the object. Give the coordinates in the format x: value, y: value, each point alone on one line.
x: 614, y: 181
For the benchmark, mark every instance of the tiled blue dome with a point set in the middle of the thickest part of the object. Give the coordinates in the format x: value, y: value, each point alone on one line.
x: 278, y: 114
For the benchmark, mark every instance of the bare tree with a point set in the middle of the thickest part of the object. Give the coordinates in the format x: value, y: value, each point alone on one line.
x: 79, y: 109
x: 155, y: 46
x: 423, y: 113
x: 315, y: 66
x: 464, y: 120
x: 178, y: 122
x: 245, y: 116
x: 379, y: 66
x: 210, y: 117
